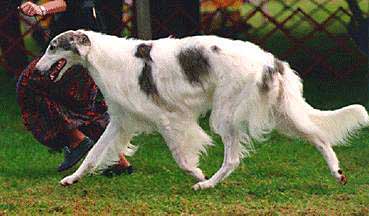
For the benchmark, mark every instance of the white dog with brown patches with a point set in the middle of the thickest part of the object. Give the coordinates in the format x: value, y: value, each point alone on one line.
x: 165, y: 85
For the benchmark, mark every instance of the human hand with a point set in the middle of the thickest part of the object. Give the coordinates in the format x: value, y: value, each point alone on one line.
x: 31, y: 9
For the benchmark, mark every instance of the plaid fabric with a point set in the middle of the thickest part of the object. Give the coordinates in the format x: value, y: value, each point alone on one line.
x: 50, y: 109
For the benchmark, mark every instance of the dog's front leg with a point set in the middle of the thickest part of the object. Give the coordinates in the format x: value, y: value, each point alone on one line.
x: 230, y: 162
x: 109, y: 137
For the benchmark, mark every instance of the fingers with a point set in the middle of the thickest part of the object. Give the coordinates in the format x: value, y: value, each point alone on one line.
x: 25, y: 8
x: 30, y: 9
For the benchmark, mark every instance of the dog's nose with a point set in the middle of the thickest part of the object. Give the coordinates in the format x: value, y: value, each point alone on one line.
x: 39, y: 71
x: 41, y: 68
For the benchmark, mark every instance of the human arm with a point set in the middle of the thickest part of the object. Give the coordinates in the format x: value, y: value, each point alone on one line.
x: 31, y: 9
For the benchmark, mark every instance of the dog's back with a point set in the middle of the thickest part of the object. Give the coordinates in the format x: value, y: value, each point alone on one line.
x: 187, y: 71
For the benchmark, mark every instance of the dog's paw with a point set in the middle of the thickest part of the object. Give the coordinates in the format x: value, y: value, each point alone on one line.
x: 341, y: 177
x: 69, y: 180
x: 203, y: 185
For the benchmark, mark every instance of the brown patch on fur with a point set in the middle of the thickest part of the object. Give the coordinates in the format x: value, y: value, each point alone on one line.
x: 143, y: 51
x: 278, y: 65
x: 267, y: 78
x: 64, y: 41
x: 83, y: 39
x: 70, y: 40
x: 146, y: 80
x: 194, y: 64
x: 215, y: 48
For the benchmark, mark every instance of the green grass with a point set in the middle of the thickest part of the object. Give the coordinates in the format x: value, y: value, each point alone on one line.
x: 284, y: 176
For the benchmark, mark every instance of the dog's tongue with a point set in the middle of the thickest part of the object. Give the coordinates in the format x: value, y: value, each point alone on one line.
x: 56, y: 68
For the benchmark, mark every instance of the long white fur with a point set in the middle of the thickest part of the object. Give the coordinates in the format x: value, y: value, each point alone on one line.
x: 241, y: 112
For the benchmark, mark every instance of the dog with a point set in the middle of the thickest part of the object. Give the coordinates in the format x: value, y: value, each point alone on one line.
x: 165, y: 85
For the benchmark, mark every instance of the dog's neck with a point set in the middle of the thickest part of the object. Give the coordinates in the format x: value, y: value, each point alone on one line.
x: 108, y: 57
x: 96, y: 66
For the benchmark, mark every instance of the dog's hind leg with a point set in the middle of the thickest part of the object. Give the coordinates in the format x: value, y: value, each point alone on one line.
x: 108, y: 138
x: 306, y: 129
x: 186, y: 143
x: 329, y: 155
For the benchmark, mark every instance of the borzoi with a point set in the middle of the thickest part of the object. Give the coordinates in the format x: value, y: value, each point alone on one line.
x: 165, y: 85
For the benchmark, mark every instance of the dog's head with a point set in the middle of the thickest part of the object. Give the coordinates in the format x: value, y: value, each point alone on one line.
x: 65, y: 50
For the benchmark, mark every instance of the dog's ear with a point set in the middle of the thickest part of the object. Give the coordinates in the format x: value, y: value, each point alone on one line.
x: 82, y: 43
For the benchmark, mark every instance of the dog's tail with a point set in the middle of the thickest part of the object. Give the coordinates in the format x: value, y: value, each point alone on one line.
x: 295, y: 116
x: 340, y: 124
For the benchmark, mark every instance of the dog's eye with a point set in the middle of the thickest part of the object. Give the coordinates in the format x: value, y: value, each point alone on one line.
x: 52, y: 47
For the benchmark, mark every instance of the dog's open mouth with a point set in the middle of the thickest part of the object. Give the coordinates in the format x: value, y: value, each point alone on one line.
x: 56, y: 68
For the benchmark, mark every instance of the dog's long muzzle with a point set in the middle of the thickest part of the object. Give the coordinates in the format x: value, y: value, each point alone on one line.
x: 53, y: 71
